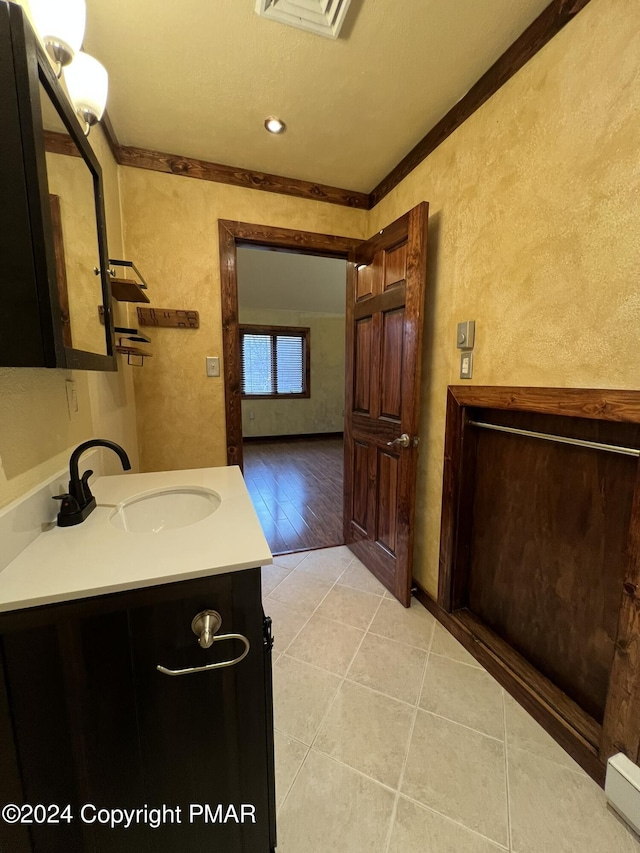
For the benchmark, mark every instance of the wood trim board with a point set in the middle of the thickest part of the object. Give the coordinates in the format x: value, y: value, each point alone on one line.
x: 173, y: 164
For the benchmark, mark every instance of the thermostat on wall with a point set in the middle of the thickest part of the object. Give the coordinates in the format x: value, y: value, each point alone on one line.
x: 466, y: 334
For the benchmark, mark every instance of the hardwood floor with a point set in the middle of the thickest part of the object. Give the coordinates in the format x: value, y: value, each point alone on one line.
x: 296, y: 489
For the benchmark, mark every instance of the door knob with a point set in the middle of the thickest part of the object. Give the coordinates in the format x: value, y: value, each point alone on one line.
x: 403, y: 441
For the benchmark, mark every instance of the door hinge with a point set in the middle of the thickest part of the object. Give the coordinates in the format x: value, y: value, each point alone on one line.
x: 266, y: 633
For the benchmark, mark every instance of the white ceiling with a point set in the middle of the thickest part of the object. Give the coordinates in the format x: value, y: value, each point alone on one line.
x: 282, y: 280
x: 197, y: 78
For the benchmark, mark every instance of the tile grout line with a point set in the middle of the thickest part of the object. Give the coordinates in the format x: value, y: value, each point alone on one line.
x: 344, y: 677
x: 313, y: 612
x: 579, y: 772
x: 394, y: 810
x: 461, y: 662
x: 506, y: 770
x: 295, y: 776
x: 391, y: 790
x: 462, y: 725
x: 455, y: 822
x: 400, y: 642
x: 304, y: 760
x: 303, y: 626
x: 359, y: 683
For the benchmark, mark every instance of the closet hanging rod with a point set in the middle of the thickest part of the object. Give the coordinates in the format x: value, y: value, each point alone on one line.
x: 559, y: 439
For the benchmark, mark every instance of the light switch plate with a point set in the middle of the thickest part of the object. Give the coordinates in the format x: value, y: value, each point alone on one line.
x: 466, y: 365
x: 213, y: 365
x: 466, y: 334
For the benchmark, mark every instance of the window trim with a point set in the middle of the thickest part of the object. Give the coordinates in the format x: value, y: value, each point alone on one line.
x: 303, y: 332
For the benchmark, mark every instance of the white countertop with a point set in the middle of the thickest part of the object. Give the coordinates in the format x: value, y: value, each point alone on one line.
x: 96, y: 558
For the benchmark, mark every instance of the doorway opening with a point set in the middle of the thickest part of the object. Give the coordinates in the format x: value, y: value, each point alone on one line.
x: 291, y: 313
x: 284, y: 301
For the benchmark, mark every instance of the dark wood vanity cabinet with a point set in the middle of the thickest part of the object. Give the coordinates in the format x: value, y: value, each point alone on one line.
x: 52, y: 220
x: 87, y: 720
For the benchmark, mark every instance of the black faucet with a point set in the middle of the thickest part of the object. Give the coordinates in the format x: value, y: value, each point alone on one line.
x: 79, y: 502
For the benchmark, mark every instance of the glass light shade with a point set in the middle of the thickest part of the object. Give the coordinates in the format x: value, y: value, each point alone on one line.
x: 60, y: 22
x: 87, y: 83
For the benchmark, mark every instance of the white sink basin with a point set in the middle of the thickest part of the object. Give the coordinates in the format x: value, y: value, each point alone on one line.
x: 165, y: 509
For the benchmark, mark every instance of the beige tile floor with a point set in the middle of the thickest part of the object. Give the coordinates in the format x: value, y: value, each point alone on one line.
x: 391, y: 738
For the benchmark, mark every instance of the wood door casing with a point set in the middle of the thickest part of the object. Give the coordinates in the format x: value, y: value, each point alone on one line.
x: 232, y: 234
x: 385, y: 299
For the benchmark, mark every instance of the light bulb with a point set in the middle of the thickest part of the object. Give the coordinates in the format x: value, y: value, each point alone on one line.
x: 275, y: 125
x: 87, y: 83
x: 60, y: 24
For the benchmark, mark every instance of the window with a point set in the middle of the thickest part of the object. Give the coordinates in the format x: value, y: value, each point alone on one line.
x: 274, y: 361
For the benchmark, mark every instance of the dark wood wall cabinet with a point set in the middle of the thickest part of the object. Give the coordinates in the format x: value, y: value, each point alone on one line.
x: 53, y: 247
x: 88, y: 720
x: 540, y: 555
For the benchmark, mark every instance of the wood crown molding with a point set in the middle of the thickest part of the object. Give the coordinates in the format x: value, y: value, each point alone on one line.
x: 553, y: 19
x: 173, y: 164
x: 60, y: 143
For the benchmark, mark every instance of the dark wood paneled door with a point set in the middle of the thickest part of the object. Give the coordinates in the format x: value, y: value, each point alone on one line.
x: 385, y: 308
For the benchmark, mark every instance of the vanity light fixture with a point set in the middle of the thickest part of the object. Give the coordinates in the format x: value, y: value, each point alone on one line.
x: 60, y: 24
x: 275, y: 125
x: 87, y: 83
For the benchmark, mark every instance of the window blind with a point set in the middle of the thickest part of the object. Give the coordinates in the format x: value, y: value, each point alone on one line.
x: 273, y: 363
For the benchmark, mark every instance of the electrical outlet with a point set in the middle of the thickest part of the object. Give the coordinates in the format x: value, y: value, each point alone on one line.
x: 72, y: 398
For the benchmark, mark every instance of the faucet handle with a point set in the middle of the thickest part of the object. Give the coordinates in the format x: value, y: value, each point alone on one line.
x: 69, y: 505
x: 86, y: 490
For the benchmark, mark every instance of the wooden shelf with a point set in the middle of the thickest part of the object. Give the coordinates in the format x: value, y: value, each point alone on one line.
x: 133, y: 335
x: 133, y: 351
x: 124, y: 290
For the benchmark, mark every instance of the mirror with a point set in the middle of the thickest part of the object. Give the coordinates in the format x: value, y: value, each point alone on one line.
x: 52, y: 218
x: 75, y: 234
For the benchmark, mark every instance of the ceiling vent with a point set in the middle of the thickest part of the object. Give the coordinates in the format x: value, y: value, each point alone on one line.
x: 323, y: 17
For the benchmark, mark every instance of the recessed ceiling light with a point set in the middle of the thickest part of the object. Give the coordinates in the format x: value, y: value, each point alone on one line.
x: 275, y: 125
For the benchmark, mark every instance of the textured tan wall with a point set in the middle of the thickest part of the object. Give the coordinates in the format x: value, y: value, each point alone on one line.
x: 323, y: 411
x: 534, y: 233
x: 171, y: 231
x: 36, y: 434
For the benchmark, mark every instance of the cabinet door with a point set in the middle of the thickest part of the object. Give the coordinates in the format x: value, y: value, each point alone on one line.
x: 86, y: 718
x: 68, y: 730
x: 204, y: 737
